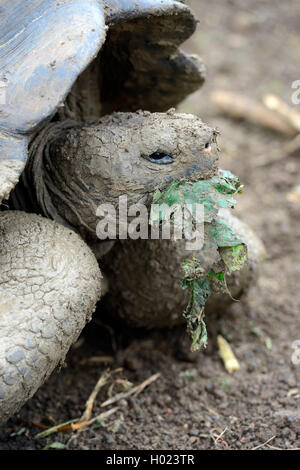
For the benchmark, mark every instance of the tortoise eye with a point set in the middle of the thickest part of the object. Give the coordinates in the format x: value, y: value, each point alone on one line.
x: 207, y: 147
x: 160, y: 158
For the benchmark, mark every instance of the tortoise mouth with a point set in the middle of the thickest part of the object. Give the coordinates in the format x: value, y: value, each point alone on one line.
x: 193, y: 173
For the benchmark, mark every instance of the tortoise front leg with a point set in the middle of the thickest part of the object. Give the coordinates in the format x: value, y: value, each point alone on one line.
x: 49, y: 285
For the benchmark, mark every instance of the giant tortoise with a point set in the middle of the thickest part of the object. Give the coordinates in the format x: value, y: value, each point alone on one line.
x: 74, y: 75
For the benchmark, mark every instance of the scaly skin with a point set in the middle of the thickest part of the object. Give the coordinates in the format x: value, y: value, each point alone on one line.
x: 49, y: 285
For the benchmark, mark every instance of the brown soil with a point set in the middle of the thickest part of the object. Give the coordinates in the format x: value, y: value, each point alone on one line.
x: 250, y: 50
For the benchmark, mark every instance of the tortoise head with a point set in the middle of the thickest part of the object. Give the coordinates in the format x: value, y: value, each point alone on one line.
x: 130, y: 154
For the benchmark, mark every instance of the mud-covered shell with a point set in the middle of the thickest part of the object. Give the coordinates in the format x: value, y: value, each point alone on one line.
x: 44, y: 46
x: 49, y: 57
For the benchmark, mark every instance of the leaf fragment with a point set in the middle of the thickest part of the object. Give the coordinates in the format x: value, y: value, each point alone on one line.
x: 234, y: 257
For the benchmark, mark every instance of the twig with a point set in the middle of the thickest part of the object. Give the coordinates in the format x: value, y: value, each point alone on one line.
x: 81, y: 425
x: 291, y: 149
x: 59, y: 427
x: 133, y: 391
x: 77, y: 423
x: 280, y: 448
x: 36, y: 424
x: 240, y: 107
x: 222, y: 433
x: 231, y: 363
x: 290, y: 115
x: 218, y: 438
x: 84, y: 426
x: 96, y: 360
x: 264, y: 444
x: 90, y: 402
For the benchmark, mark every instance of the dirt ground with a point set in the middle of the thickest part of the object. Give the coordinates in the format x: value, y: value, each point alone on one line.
x: 249, y: 47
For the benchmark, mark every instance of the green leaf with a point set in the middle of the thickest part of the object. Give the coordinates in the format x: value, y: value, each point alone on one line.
x: 194, y: 314
x: 170, y: 196
x: 234, y: 257
x: 55, y: 445
x: 222, y: 235
x: 220, y: 276
x: 227, y: 183
x: 214, y: 193
x: 192, y: 269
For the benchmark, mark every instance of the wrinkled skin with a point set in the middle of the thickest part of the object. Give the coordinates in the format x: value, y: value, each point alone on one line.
x: 49, y: 285
x: 82, y: 167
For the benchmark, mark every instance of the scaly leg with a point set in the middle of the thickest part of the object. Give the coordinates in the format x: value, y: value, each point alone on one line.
x: 49, y: 285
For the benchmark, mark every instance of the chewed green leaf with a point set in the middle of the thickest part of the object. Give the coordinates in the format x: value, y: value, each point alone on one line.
x: 220, y: 276
x: 229, y: 183
x: 214, y: 194
x: 222, y: 235
x: 194, y: 314
x: 170, y: 196
x: 212, y: 275
x: 192, y: 269
x: 199, y: 336
x: 234, y: 257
